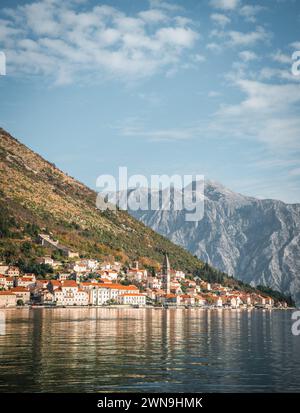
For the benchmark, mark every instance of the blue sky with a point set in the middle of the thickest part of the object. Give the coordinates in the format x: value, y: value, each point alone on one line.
x: 201, y: 87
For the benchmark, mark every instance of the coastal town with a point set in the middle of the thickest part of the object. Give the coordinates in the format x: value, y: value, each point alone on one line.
x: 89, y: 282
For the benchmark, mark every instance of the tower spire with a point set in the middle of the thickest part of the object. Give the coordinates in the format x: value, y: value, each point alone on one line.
x: 166, y: 274
x: 166, y: 264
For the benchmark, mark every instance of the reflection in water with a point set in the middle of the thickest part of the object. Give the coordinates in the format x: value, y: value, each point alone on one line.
x: 155, y: 350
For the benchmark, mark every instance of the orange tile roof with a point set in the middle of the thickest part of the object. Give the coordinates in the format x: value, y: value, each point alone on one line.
x: 105, y: 281
x: 69, y: 283
x: 135, y: 270
x: 20, y: 289
x: 132, y: 295
x: 170, y: 295
x: 55, y: 282
x: 120, y: 287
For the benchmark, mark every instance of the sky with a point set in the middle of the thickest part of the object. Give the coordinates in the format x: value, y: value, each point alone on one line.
x: 162, y: 87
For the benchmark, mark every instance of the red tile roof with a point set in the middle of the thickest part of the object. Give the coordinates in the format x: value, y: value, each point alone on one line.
x: 55, y: 282
x: 170, y: 295
x: 120, y: 287
x: 69, y: 283
x: 20, y: 289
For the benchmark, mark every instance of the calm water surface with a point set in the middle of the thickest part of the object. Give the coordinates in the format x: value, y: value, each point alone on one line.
x: 99, y: 350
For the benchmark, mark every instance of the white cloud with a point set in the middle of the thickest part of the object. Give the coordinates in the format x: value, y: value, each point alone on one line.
x: 268, y: 113
x: 153, y: 16
x: 136, y: 128
x: 198, y: 58
x: 237, y: 38
x: 264, y: 96
x: 213, y: 94
x: 281, y: 57
x: 165, y: 5
x: 249, y: 12
x: 178, y: 36
x: 295, y: 45
x: 40, y: 17
x: 269, y: 73
x: 248, y: 55
x: 220, y: 19
x: 214, y: 47
x: 234, y: 38
x: 225, y: 4
x: 8, y: 32
x: 60, y: 41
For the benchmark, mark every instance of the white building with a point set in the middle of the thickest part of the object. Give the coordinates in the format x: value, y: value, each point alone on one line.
x: 41, y: 284
x: 137, y: 273
x: 219, y: 302
x: 107, y: 292
x: 79, y: 267
x: 205, y: 285
x: 99, y: 295
x: 30, y: 275
x: 7, y: 299
x: 179, y: 275
x: 13, y: 271
x: 22, y: 293
x: 3, y: 268
x: 69, y: 294
x: 168, y: 299
x: 105, y: 266
x: 54, y: 285
x: 47, y: 297
x: 154, y: 283
x: 186, y: 299
x: 25, y: 282
x: 132, y: 299
x: 64, y: 276
x: 111, y: 275
x: 46, y: 260
x: 91, y: 265
x: 234, y: 301
x: 9, y: 282
x: 2, y: 281
x: 201, y: 300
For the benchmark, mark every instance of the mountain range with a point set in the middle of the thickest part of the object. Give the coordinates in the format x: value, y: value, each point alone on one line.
x: 254, y: 240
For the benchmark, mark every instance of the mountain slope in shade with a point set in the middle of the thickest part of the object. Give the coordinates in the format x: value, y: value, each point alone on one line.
x: 257, y: 241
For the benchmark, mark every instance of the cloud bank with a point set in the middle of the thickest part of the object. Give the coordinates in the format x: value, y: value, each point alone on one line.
x: 65, y: 39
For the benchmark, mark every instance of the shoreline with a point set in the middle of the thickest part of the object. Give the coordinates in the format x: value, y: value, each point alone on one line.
x: 127, y: 307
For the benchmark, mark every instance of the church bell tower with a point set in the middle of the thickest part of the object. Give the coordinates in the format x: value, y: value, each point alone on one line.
x: 166, y: 275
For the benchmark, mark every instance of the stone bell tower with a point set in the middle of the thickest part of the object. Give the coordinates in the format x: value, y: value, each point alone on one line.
x: 166, y: 275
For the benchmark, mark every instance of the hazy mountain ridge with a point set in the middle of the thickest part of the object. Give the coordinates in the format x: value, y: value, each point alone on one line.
x: 257, y: 241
